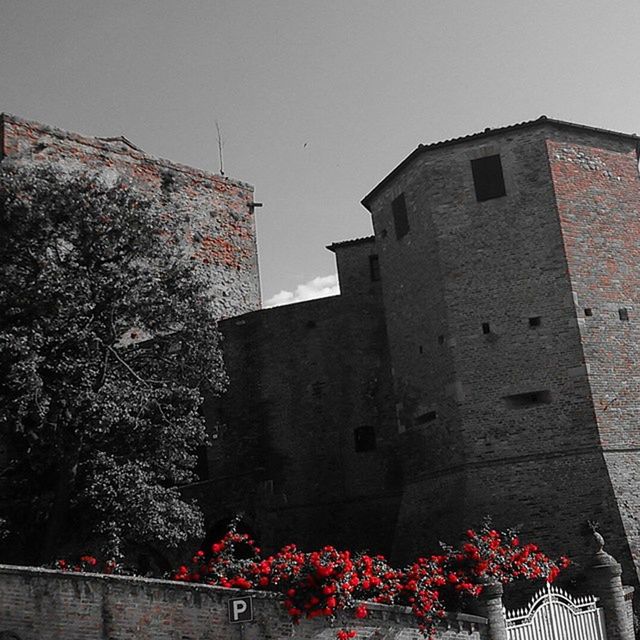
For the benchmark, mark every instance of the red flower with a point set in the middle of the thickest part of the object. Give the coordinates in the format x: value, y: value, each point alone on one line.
x: 361, y: 611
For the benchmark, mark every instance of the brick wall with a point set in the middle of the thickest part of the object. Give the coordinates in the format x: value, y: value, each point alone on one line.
x: 501, y: 262
x: 597, y: 188
x: 40, y: 604
x: 303, y: 378
x: 223, y: 224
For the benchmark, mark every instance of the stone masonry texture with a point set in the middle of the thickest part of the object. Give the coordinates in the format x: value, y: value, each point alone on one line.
x: 40, y: 604
x: 304, y: 378
x: 222, y: 234
x: 562, y: 239
x: 492, y: 365
x: 503, y: 338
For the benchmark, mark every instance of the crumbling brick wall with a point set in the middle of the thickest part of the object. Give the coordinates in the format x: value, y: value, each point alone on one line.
x: 221, y: 211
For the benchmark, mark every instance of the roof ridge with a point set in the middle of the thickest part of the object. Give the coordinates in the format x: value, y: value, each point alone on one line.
x: 488, y: 132
x: 345, y: 243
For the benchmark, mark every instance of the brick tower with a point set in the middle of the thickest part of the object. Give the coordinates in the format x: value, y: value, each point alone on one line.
x: 510, y: 264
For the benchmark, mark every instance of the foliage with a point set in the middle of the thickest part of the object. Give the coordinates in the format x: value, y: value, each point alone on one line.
x: 321, y: 583
x: 107, y: 342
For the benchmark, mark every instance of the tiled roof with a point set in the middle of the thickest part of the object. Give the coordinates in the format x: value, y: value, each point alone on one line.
x: 489, y: 132
x: 347, y: 243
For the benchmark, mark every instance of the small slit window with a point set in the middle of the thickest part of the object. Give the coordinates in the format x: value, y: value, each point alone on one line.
x: 374, y: 268
x: 529, y: 399
x: 534, y: 322
x: 400, y: 217
x: 364, y: 438
x: 624, y: 314
x: 486, y: 328
x: 425, y: 418
x: 488, y: 179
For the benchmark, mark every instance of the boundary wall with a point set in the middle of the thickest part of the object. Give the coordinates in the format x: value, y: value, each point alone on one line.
x: 44, y: 604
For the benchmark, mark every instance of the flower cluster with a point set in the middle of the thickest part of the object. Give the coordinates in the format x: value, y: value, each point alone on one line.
x: 492, y: 556
x: 88, y: 564
x: 322, y: 583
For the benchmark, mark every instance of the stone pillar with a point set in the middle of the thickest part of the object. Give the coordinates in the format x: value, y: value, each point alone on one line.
x: 603, y: 573
x: 492, y: 609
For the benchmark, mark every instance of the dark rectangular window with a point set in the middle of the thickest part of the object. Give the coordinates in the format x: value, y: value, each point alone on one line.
x: 588, y: 312
x: 487, y: 178
x: 486, y: 328
x: 364, y: 438
x: 374, y: 268
x: 529, y: 399
x: 400, y: 218
x: 429, y: 416
x: 535, y: 321
x: 624, y: 314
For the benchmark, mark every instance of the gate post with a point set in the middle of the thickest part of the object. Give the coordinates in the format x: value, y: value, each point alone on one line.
x: 603, y: 573
x: 492, y: 609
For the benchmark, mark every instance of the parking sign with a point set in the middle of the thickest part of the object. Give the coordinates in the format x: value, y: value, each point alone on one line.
x: 240, y: 609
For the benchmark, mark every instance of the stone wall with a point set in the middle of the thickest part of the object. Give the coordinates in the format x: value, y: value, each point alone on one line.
x: 306, y: 380
x: 481, y: 317
x: 597, y: 188
x: 40, y: 604
x: 223, y: 225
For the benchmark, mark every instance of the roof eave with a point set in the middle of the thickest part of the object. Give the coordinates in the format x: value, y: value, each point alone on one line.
x: 366, y: 201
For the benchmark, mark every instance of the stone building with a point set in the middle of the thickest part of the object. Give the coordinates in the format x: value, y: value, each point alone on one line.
x: 480, y: 359
x: 221, y: 209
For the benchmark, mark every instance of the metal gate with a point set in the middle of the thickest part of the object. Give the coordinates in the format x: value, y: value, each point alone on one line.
x: 554, y: 615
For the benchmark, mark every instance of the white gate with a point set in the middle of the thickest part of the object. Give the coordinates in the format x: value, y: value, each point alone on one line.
x: 554, y: 615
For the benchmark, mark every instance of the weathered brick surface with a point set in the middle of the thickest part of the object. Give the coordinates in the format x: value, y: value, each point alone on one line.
x: 501, y: 261
x: 303, y: 377
x: 39, y: 604
x: 597, y: 189
x: 223, y: 225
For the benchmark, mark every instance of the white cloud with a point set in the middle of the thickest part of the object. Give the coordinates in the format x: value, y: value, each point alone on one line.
x: 319, y: 287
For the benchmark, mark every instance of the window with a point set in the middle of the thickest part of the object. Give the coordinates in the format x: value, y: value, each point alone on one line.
x: 588, y: 312
x: 624, y: 314
x: 487, y: 178
x: 486, y: 328
x: 534, y: 322
x: 400, y: 218
x: 529, y: 399
x: 429, y: 416
x: 374, y: 268
x: 364, y: 438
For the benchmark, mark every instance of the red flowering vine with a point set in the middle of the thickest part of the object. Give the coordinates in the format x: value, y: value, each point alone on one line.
x: 322, y: 583
x: 89, y: 564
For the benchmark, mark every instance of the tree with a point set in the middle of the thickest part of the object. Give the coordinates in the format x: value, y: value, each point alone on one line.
x: 107, y: 344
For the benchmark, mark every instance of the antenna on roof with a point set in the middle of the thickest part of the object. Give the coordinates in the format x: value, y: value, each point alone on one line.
x: 220, y: 148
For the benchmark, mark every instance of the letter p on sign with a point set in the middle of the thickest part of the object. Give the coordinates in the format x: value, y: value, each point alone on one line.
x: 240, y: 609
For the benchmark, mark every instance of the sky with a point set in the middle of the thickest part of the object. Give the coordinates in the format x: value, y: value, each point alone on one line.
x: 317, y: 100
